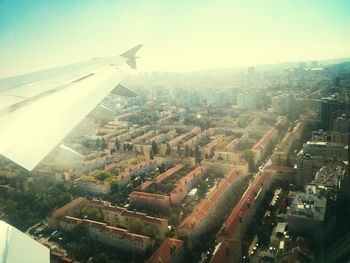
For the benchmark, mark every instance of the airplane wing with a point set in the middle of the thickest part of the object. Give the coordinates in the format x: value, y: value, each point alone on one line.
x: 38, y: 110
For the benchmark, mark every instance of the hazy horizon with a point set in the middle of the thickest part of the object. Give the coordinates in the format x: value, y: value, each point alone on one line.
x: 177, y: 37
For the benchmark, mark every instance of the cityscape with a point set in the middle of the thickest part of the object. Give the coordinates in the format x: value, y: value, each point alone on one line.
x: 244, y: 163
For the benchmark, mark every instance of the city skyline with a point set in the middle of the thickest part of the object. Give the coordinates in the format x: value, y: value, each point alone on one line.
x: 177, y: 37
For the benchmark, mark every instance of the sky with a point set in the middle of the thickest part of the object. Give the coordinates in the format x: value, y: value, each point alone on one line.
x: 180, y: 35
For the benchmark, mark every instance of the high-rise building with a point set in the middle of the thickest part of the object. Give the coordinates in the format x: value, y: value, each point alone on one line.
x: 329, y: 106
x: 341, y: 124
x: 283, y: 104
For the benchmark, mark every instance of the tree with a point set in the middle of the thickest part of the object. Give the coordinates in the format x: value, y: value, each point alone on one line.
x: 29, y: 203
x: 168, y: 149
x: 98, y: 143
x: 178, y: 149
x: 130, y: 147
x: 154, y: 147
x: 197, y: 155
x: 101, y: 258
x: 136, y: 226
x: 79, y: 231
x: 117, y: 144
x: 102, y: 176
x: 162, y: 168
x: 103, y: 144
x: 151, y: 154
x: 114, y: 186
x: 248, y: 155
x: 202, y: 189
x: 187, y: 150
x: 82, y: 250
x: 93, y: 213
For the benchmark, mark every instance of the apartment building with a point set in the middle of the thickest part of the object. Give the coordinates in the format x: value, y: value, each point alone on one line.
x: 136, y: 170
x: 231, y: 234
x: 326, y: 149
x: 162, y: 137
x: 160, y: 178
x: 261, y: 147
x: 93, y: 186
x: 121, y: 217
x: 223, y: 166
x: 206, y: 214
x: 113, y: 230
x: 149, y: 200
x: 281, y: 154
x: 170, y: 251
x: 173, y: 143
x: 210, y: 148
x: 228, y: 156
x: 96, y: 187
x: 114, y: 236
x: 184, y: 185
x: 192, y: 142
x: 307, y: 214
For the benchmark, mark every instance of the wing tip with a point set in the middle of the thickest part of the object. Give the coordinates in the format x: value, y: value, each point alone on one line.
x: 130, y: 54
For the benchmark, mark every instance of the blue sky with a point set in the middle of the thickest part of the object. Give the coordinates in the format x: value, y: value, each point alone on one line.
x: 177, y: 35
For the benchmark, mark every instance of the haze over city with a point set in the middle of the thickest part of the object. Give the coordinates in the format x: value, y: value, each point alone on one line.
x: 180, y: 36
x: 174, y: 131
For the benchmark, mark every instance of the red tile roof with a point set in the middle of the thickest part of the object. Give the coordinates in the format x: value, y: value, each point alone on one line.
x: 134, y: 168
x: 190, y: 176
x: 74, y: 220
x: 111, y: 166
x: 265, y: 139
x: 232, y: 145
x: 209, y: 202
x: 231, y: 226
x: 162, y: 176
x: 228, y: 251
x: 168, y: 173
x: 148, y: 196
x: 67, y: 207
x: 165, y: 251
x: 104, y: 205
x: 94, y: 224
x: 288, y: 139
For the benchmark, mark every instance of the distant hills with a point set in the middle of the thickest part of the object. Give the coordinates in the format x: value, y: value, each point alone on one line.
x: 286, y: 65
x: 341, y: 62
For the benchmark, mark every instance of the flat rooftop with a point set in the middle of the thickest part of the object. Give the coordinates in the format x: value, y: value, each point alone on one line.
x: 308, y: 206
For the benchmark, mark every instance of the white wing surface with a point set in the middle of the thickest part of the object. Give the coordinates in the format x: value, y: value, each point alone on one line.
x: 38, y: 110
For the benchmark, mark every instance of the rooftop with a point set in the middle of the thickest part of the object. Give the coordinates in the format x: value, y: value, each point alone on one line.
x: 265, y: 139
x: 328, y: 175
x: 111, y: 230
x: 231, y: 225
x: 168, y: 173
x: 165, y: 251
x: 228, y: 248
x: 208, y: 203
x: 148, y: 196
x: 68, y: 206
x: 127, y: 213
x: 308, y: 206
